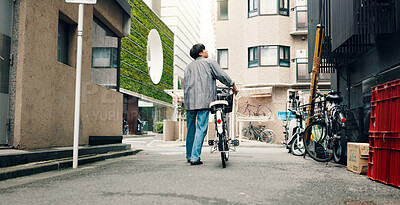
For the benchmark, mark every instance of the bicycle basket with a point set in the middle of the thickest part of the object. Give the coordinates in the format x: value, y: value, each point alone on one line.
x: 316, y: 107
x: 229, y: 99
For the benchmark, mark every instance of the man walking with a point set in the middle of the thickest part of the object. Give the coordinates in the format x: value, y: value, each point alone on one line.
x: 200, y: 90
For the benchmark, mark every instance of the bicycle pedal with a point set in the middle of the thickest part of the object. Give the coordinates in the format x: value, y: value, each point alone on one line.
x: 210, y: 142
x: 235, y: 143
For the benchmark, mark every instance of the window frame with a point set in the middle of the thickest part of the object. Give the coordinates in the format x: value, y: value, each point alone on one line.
x: 117, y: 51
x: 286, y: 50
x: 256, y: 57
x: 256, y: 11
x: 227, y: 58
x: 282, y: 8
x: 63, y: 53
x: 219, y: 10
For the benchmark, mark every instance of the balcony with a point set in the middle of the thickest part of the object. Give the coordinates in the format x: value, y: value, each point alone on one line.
x: 301, y: 25
x: 302, y: 74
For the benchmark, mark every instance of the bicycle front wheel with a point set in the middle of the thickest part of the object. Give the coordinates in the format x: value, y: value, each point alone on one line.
x: 268, y: 136
x: 315, y: 139
x: 297, y: 146
x: 264, y: 112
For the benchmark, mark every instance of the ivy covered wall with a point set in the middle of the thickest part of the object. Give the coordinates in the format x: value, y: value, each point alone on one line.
x: 134, y: 73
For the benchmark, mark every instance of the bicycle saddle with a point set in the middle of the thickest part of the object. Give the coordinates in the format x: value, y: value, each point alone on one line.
x: 334, y: 98
x: 219, y: 102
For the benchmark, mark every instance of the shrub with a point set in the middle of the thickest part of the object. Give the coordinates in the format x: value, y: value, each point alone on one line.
x: 159, y: 127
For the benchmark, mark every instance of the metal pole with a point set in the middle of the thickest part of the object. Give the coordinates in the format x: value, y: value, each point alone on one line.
x: 78, y: 87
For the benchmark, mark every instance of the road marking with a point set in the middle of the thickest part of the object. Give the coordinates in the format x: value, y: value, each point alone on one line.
x: 171, y: 153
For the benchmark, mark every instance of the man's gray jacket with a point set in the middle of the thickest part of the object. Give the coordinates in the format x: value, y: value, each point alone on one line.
x: 199, y: 83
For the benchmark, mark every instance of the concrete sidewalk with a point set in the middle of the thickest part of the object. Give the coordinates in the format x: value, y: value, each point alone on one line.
x: 17, y: 163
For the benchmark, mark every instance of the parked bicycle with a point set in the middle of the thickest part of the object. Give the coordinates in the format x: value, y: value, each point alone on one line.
x: 261, y: 134
x: 254, y: 110
x: 293, y: 135
x: 325, y: 137
x: 222, y: 142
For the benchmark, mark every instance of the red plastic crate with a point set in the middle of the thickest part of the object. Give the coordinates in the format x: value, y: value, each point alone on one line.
x: 385, y: 107
x: 380, y: 165
x: 394, y: 171
x: 386, y: 91
x: 385, y: 141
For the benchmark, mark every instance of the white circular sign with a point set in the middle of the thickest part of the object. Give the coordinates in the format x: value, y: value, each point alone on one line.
x: 154, y: 56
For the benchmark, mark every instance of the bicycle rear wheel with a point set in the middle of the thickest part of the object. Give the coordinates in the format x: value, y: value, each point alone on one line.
x: 243, y: 112
x: 315, y: 139
x: 339, y: 150
x: 223, y: 159
x: 268, y: 136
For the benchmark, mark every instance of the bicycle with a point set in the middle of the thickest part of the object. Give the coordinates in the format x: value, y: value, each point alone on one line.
x: 246, y: 111
x: 261, y: 134
x: 325, y: 138
x: 222, y: 143
x: 293, y: 138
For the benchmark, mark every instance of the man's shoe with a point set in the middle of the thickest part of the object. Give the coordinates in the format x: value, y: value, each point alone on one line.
x: 188, y: 160
x: 196, y: 163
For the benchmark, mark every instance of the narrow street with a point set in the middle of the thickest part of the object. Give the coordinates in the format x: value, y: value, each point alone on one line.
x: 255, y: 174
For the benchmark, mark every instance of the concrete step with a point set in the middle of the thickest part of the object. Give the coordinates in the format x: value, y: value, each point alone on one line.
x: 51, y: 165
x: 13, y: 157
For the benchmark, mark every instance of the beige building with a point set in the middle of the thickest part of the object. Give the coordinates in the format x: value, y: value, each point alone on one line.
x: 38, y: 96
x: 262, y: 45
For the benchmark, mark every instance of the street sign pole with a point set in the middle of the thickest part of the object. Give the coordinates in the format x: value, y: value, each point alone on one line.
x: 78, y: 88
x: 78, y: 78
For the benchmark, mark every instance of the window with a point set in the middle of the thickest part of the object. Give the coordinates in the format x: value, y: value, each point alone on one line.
x: 223, y: 58
x: 253, y: 57
x: 268, y: 7
x: 284, y: 7
x: 301, y: 18
x: 269, y: 56
x: 222, y: 9
x: 284, y: 56
x: 105, y: 55
x: 63, y: 41
x: 253, y: 8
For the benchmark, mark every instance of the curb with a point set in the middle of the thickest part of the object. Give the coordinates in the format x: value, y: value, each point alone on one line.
x: 39, y: 167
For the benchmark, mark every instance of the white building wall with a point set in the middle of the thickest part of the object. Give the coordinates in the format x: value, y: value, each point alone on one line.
x: 183, y: 17
x: 240, y: 32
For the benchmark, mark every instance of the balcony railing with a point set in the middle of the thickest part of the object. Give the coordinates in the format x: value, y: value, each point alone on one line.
x: 304, y: 76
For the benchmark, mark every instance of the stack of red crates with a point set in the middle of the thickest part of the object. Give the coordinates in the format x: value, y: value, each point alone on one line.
x: 384, y: 138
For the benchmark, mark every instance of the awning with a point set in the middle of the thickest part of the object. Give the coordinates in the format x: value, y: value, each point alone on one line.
x: 256, y: 92
x: 145, y: 98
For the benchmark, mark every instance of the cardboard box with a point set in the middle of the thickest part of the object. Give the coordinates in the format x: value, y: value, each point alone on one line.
x: 357, y: 157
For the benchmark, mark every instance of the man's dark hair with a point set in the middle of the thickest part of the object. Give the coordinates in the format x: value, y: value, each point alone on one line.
x: 196, y: 49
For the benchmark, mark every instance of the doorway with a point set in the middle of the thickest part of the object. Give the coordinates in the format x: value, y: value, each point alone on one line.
x: 6, y: 16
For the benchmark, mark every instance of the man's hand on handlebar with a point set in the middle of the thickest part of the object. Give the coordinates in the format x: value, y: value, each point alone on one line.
x: 234, y: 89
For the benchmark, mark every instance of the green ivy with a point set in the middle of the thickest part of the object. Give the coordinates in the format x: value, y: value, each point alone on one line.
x: 134, y: 72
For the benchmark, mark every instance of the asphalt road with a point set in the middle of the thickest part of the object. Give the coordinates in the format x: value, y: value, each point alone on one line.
x: 255, y: 174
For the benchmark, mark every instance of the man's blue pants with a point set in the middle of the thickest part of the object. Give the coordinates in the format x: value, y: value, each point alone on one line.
x: 195, y: 134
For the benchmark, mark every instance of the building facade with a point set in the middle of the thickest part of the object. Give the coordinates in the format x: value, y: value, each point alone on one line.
x: 361, y: 44
x: 38, y: 57
x: 262, y: 45
x: 147, y: 69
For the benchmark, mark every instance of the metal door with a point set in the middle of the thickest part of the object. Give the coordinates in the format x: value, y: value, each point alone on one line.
x: 6, y: 16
